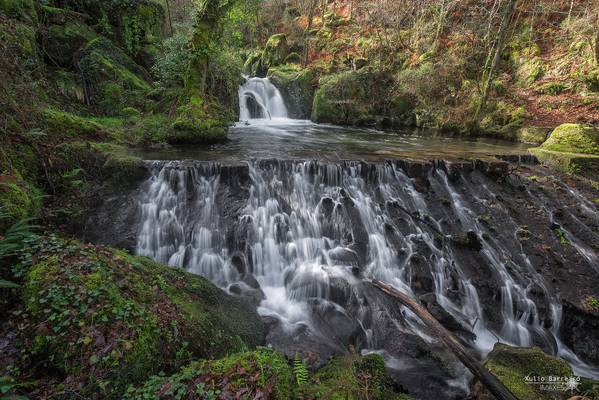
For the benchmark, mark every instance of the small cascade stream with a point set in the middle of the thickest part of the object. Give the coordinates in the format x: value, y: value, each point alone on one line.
x: 260, y: 100
x: 299, y: 237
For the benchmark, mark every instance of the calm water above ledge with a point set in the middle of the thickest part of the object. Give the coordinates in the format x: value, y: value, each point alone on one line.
x: 298, y: 139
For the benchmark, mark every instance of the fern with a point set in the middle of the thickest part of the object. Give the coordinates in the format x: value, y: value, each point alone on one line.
x: 300, y: 371
x: 15, y: 239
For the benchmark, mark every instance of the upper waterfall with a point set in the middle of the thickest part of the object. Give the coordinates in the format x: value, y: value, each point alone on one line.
x: 260, y: 99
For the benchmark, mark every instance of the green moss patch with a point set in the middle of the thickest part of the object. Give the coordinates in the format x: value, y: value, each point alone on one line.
x: 573, y: 138
x: 582, y: 164
x: 19, y: 200
x: 295, y: 83
x: 532, y: 134
x: 350, y: 378
x: 62, y: 41
x: 351, y: 98
x: 60, y: 124
x: 263, y: 373
x: 513, y: 364
x: 105, y: 319
x: 114, y: 77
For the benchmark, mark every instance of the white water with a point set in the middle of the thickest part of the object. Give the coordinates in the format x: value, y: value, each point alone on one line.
x: 297, y: 254
x: 266, y: 99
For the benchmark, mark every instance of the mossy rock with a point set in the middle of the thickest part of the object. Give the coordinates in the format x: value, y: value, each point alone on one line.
x: 19, y: 200
x: 114, y: 77
x: 351, y: 97
x: 62, y: 41
x: 573, y: 138
x: 532, y: 134
x: 574, y: 163
x: 120, y: 167
x: 503, y: 119
x: 61, y: 124
x: 276, y: 50
x: 263, y: 373
x: 104, y: 319
x: 351, y: 378
x: 23, y: 10
x: 200, y: 121
x: 253, y: 65
x: 295, y: 84
x: 514, y: 365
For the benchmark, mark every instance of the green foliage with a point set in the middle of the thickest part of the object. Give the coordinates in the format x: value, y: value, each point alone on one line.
x: 114, y: 77
x: 561, y: 235
x: 300, y: 370
x: 19, y: 201
x: 262, y: 373
x: 60, y: 124
x: 171, y: 64
x: 83, y: 299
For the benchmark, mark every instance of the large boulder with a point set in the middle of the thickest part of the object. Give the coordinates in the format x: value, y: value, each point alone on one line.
x: 355, y: 98
x: 276, y: 50
x: 101, y: 319
x: 295, y: 84
x: 112, y: 78
x: 521, y: 369
x: 65, y: 36
x: 573, y: 138
x: 571, y: 148
x: 275, y: 53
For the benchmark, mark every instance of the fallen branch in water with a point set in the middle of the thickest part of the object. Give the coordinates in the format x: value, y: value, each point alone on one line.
x: 489, y: 380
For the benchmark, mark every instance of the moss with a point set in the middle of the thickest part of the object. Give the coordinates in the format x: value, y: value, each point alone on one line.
x: 512, y: 365
x: 21, y: 9
x: 276, y: 50
x: 114, y: 77
x: 262, y: 373
x: 532, y: 134
x: 132, y: 114
x: 581, y: 164
x: 200, y: 121
x: 107, y: 319
x: 62, y: 41
x: 573, y: 138
x: 351, y: 98
x: 253, y: 65
x: 295, y: 83
x: 19, y: 200
x: 350, y: 377
x: 120, y: 167
x: 503, y: 119
x: 59, y: 123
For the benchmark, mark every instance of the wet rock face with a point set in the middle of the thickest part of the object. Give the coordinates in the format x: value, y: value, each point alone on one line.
x: 492, y: 252
x: 580, y: 331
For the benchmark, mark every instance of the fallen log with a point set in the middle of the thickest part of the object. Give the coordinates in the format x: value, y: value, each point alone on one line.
x: 489, y: 380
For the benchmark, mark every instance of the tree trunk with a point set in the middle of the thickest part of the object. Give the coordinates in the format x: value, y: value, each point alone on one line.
x: 501, y: 37
x: 489, y: 380
x: 312, y: 7
x: 168, y: 13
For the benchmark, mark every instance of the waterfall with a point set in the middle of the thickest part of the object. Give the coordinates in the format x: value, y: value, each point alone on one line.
x: 260, y: 99
x: 299, y: 237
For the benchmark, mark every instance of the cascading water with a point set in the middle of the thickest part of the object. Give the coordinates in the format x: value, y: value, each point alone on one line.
x: 299, y: 237
x: 260, y: 99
